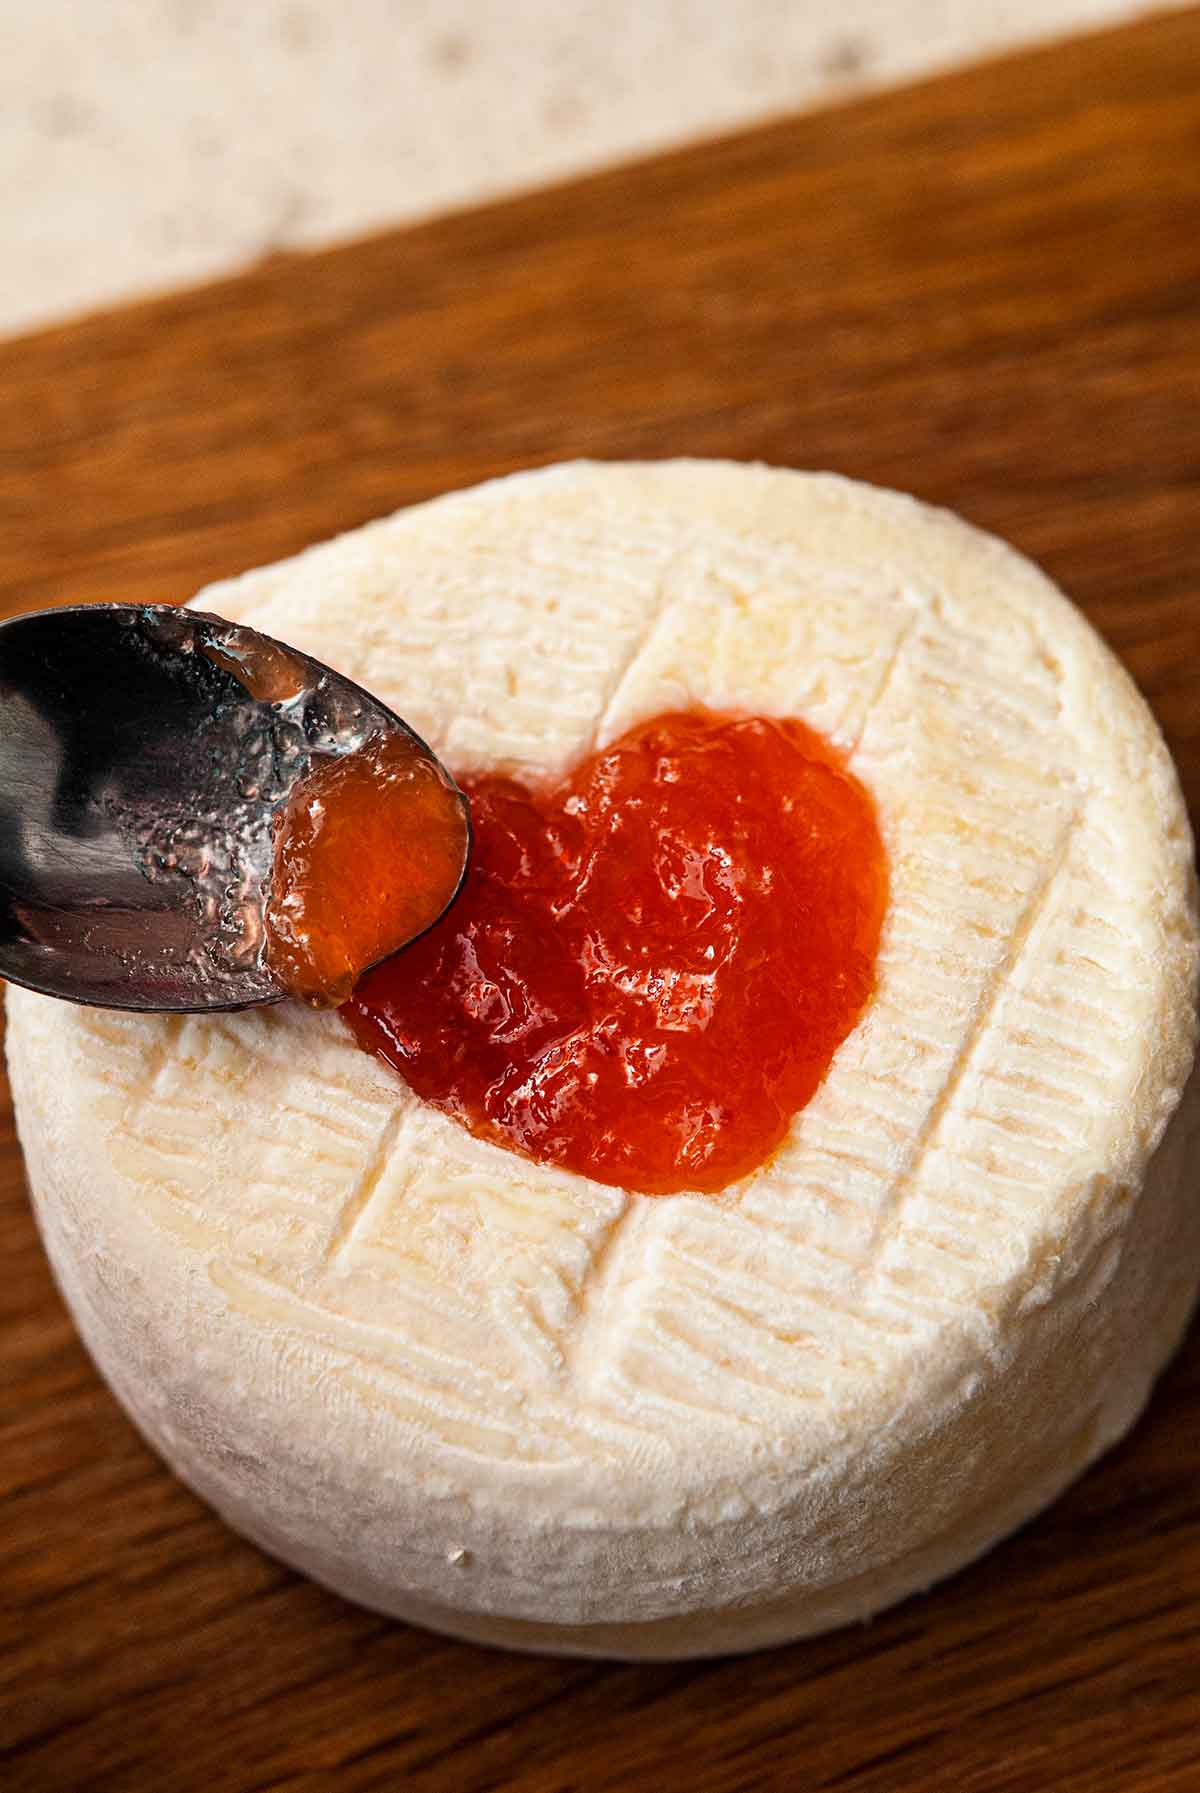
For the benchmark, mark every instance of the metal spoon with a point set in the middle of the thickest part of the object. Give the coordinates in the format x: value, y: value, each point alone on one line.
x: 143, y: 753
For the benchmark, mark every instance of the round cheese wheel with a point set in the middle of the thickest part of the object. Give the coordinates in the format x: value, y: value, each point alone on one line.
x: 499, y: 1399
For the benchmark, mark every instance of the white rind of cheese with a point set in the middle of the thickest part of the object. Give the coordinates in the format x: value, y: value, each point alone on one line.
x: 499, y: 1399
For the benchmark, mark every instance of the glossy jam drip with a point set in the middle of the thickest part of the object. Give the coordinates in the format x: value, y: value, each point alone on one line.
x: 368, y: 850
x: 264, y: 668
x: 651, y: 964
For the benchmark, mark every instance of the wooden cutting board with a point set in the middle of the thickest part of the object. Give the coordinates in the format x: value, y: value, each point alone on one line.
x: 986, y: 290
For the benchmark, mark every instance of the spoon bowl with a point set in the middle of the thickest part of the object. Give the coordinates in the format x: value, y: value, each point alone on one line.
x: 144, y: 752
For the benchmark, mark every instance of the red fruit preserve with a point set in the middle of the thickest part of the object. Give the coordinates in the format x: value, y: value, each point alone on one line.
x: 653, y: 962
x: 367, y: 851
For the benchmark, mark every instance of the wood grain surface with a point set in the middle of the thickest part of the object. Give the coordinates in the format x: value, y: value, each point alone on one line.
x: 986, y: 290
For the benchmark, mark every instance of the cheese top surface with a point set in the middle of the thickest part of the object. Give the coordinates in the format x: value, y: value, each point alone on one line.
x: 385, y: 1300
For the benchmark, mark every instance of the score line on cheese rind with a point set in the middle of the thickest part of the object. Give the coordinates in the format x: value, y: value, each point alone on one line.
x: 500, y: 1399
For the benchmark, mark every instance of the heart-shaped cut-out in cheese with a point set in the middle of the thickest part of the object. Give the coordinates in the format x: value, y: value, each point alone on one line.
x: 654, y: 961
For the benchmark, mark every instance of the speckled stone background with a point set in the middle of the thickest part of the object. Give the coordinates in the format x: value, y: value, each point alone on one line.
x: 147, y: 143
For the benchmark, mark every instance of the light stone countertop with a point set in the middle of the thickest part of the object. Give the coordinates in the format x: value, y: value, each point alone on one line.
x: 149, y: 143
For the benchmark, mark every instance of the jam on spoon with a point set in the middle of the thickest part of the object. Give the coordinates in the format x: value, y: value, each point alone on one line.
x: 151, y: 760
x: 368, y: 850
